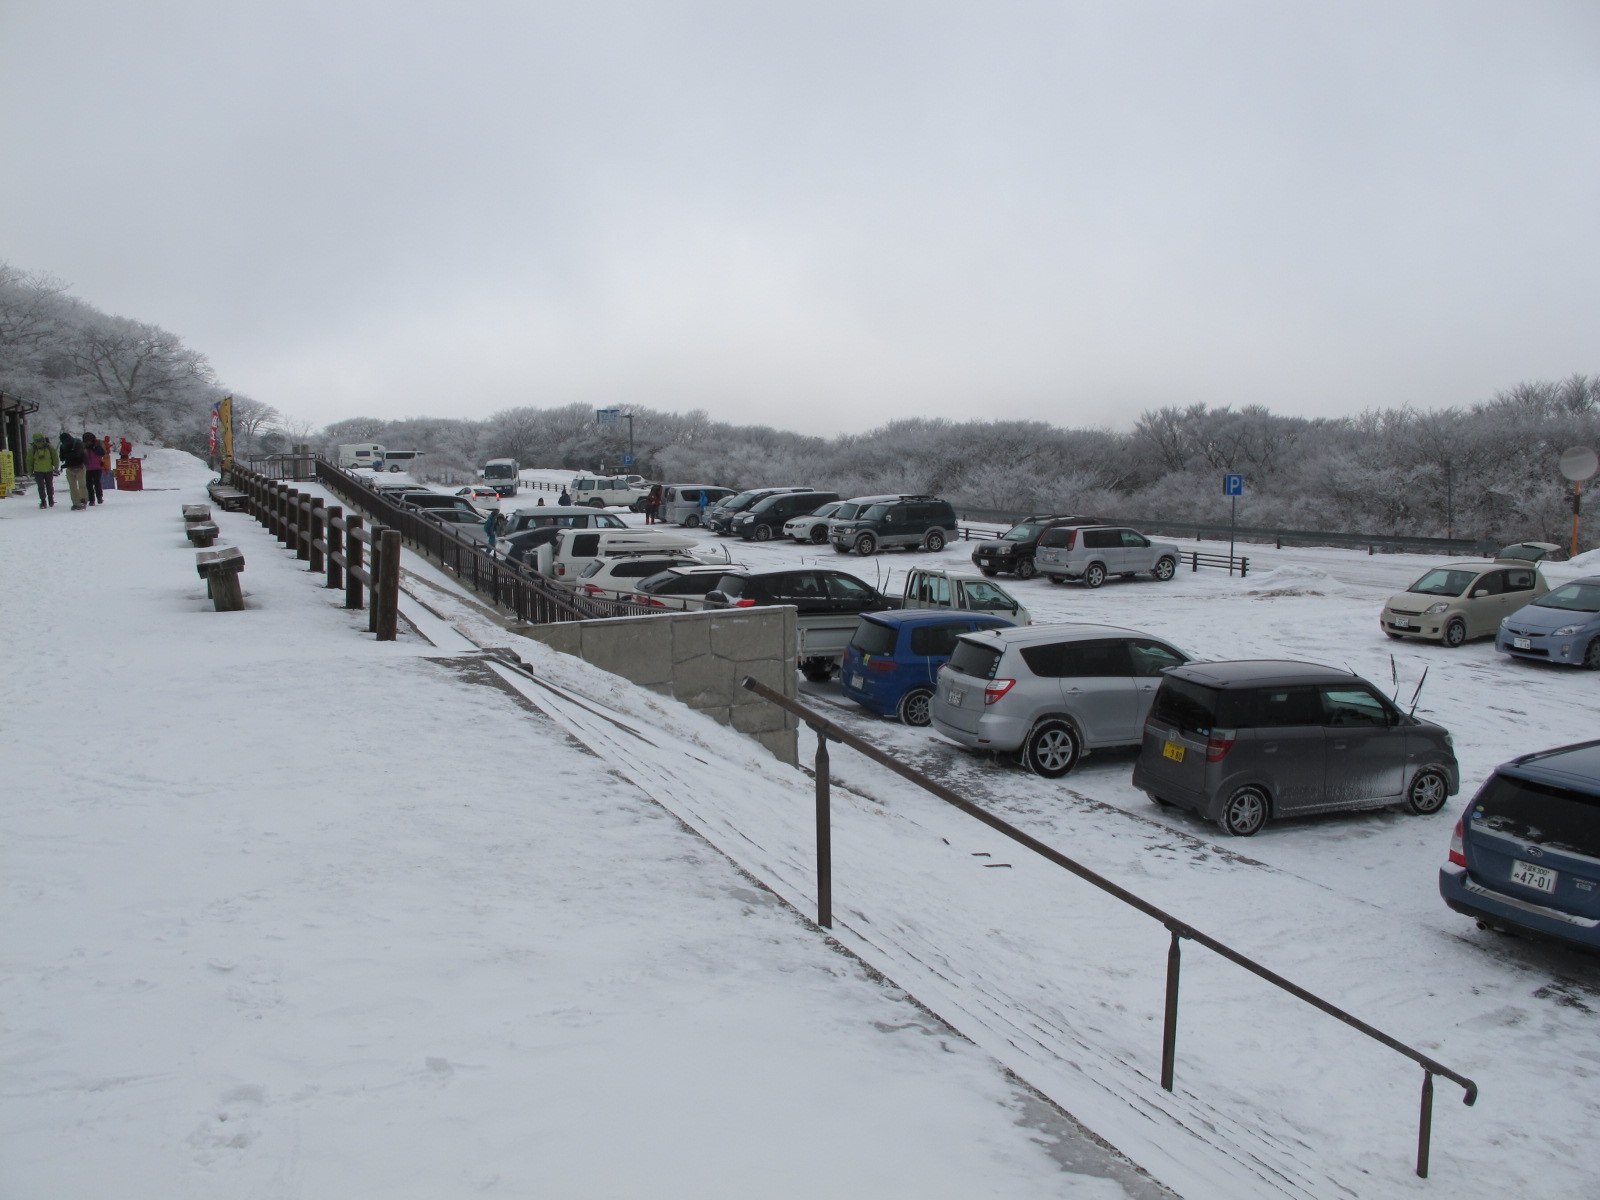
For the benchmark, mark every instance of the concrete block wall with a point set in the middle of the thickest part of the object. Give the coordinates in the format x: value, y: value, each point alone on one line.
x: 698, y: 658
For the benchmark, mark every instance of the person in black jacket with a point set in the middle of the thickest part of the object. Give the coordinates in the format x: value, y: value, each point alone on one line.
x: 73, y: 460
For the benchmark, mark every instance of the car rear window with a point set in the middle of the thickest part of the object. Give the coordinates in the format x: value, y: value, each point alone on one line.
x: 975, y: 659
x: 1195, y: 708
x: 1062, y: 539
x: 1559, y: 818
x: 730, y: 585
x: 936, y: 641
x: 872, y: 637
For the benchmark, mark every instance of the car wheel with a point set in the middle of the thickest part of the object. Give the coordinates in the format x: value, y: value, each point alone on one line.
x: 866, y: 544
x: 1591, y: 655
x: 1456, y: 632
x: 819, y: 535
x: 762, y: 533
x: 1094, y: 575
x: 1428, y: 791
x: 1051, y: 749
x: 1056, y: 578
x: 817, y: 670
x: 1166, y: 568
x: 691, y: 521
x: 1244, y: 813
x: 989, y: 571
x: 1158, y: 801
x: 934, y: 542
x: 597, y: 503
x: 1025, y: 569
x: 916, y: 707
x: 838, y: 549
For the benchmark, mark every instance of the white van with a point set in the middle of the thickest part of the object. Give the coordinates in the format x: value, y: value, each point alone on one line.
x: 680, y: 502
x: 361, y: 454
x: 564, y: 557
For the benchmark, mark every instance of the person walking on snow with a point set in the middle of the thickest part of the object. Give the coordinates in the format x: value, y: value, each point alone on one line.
x: 45, y: 464
x: 565, y: 497
x: 491, y: 524
x: 94, y: 461
x: 72, y: 461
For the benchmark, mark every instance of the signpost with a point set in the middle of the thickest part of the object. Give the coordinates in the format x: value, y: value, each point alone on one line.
x: 1577, y: 464
x: 1232, y: 487
x: 610, y: 416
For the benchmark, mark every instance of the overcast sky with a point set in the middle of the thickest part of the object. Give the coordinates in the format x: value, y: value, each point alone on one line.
x: 820, y: 215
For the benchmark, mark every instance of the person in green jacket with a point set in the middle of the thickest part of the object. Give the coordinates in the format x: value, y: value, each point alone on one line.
x: 45, y: 464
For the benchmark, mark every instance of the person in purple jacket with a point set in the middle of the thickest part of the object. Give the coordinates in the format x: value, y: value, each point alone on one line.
x: 94, y: 461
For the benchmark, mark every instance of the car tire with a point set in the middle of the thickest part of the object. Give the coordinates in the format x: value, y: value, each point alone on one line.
x: 866, y: 545
x: 762, y: 533
x: 1165, y: 568
x: 1056, y: 578
x: 1025, y: 569
x: 1244, y: 812
x: 1158, y: 801
x: 817, y: 670
x: 838, y: 549
x: 934, y: 542
x: 596, y: 502
x: 691, y: 521
x: 1591, y: 654
x: 989, y: 571
x: 1094, y: 575
x: 819, y: 535
x: 1455, y: 633
x: 916, y: 707
x: 1428, y: 791
x: 1051, y: 749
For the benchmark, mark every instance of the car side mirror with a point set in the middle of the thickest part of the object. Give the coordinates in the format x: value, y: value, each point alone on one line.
x: 1480, y: 593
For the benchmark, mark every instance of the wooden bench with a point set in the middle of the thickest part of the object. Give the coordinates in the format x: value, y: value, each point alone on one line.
x: 220, y: 569
x: 196, y: 512
x: 231, y: 499
x: 201, y: 533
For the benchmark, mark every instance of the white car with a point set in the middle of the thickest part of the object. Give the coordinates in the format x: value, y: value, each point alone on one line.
x: 812, y: 526
x: 681, y: 588
x: 616, y: 578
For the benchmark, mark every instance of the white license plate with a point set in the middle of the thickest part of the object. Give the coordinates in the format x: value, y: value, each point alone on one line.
x: 1541, y: 879
x: 1522, y: 643
x: 1401, y: 623
x: 954, y: 697
x: 856, y: 681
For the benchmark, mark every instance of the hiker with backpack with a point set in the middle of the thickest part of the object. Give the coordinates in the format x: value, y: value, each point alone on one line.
x: 45, y: 465
x: 73, y: 462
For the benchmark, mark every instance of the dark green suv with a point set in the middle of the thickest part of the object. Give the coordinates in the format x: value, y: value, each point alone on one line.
x: 909, y: 521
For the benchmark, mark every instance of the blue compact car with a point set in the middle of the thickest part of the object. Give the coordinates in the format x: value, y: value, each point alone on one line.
x: 1525, y: 858
x: 890, y: 664
x: 1562, y: 626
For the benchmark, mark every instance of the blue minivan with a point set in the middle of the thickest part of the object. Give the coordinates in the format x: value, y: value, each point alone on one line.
x: 1525, y: 858
x: 894, y: 657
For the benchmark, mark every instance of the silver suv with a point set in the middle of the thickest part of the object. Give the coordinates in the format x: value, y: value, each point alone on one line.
x: 1238, y: 742
x: 1050, y: 692
x: 1091, y: 553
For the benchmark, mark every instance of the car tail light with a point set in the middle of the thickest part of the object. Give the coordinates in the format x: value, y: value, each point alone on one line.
x: 1218, y: 744
x: 996, y: 688
x: 744, y: 603
x: 1458, y: 852
x: 561, y: 568
x: 882, y: 665
x: 592, y: 590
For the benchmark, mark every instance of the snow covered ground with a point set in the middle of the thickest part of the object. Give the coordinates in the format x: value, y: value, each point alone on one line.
x: 1065, y: 987
x: 288, y: 912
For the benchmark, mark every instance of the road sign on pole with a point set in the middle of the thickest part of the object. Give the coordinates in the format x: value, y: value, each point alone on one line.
x: 608, y: 416
x: 627, y: 460
x: 1233, y: 485
x: 1233, y: 488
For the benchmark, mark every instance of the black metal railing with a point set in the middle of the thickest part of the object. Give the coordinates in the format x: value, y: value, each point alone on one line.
x: 1179, y: 929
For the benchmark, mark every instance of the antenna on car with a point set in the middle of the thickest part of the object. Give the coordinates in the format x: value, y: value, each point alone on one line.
x: 1418, y: 692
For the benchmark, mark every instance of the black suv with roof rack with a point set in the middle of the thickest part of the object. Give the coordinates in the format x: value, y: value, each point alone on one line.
x: 1013, y: 550
x: 910, y: 521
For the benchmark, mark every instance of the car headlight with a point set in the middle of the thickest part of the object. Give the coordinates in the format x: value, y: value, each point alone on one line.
x: 1435, y: 608
x: 1002, y: 549
x: 1568, y: 630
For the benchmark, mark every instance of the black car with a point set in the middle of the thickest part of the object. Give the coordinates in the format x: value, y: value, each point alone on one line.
x: 719, y: 517
x: 1014, y: 550
x: 812, y: 590
x: 768, y: 515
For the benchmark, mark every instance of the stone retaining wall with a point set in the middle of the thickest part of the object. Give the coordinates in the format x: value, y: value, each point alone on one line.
x: 698, y: 658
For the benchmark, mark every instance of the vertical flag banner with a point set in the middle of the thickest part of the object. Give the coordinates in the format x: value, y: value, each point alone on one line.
x: 216, y: 416
x: 225, y: 420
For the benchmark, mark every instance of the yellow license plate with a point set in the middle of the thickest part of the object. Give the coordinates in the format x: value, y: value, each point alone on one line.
x: 1173, y: 751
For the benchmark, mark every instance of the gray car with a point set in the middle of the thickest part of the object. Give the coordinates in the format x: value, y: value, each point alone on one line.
x: 1050, y: 692
x: 1239, y: 742
x: 1093, y: 553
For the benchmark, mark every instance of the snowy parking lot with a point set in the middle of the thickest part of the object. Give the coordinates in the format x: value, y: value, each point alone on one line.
x: 1045, y: 973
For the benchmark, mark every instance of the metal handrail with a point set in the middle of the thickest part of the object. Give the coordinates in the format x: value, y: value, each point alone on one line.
x: 1178, y: 928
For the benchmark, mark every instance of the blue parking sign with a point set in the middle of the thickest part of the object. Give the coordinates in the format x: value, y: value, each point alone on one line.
x: 1233, y: 485
x: 627, y: 460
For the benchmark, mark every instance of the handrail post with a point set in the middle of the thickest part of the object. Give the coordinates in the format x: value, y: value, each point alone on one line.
x: 386, y: 610
x: 335, y: 518
x: 824, y: 836
x: 1425, y: 1125
x: 375, y: 558
x: 352, y: 558
x: 319, y: 533
x: 1169, y: 1029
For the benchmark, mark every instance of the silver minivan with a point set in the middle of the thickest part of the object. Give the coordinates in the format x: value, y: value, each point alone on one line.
x: 1050, y: 692
x: 1238, y: 742
x: 1094, y: 552
x: 680, y: 502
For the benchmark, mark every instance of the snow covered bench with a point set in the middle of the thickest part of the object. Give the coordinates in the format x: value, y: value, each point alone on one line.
x: 231, y: 499
x: 201, y: 533
x: 220, y: 569
x: 193, y: 513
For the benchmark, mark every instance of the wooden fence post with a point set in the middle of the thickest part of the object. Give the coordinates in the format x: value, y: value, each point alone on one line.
x: 352, y: 558
x: 335, y: 545
x: 387, y: 606
x: 319, y: 532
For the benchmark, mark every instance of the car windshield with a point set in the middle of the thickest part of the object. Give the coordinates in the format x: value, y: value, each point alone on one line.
x: 1574, y: 597
x: 845, y: 511
x: 740, y: 502
x: 1021, y: 533
x: 986, y: 597
x: 1550, y: 816
x: 827, y: 510
x: 1444, y: 582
